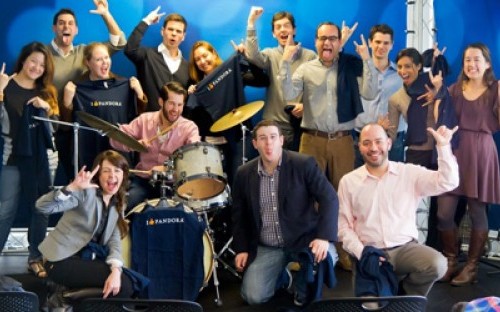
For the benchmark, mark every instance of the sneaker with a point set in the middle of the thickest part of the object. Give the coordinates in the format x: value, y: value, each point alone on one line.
x: 297, y: 301
x: 289, y: 285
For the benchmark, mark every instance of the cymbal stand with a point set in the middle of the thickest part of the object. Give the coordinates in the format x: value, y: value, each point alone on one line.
x: 76, y: 127
x: 244, y: 130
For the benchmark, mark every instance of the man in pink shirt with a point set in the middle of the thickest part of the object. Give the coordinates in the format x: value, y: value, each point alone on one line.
x: 152, y: 130
x: 378, y: 204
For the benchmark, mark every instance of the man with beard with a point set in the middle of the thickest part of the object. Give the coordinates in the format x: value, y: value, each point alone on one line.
x: 331, y: 100
x: 162, y: 132
x: 381, y: 194
x: 157, y: 66
x: 69, y: 66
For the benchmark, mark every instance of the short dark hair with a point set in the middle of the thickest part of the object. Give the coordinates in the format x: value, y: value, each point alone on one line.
x: 281, y: 15
x: 61, y: 12
x: 381, y: 28
x: 265, y: 123
x: 175, y: 17
x: 329, y: 24
x: 175, y: 87
x: 413, y: 54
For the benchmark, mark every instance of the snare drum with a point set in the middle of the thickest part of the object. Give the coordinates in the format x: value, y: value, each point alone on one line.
x: 198, y: 171
x: 208, y: 246
x: 218, y: 202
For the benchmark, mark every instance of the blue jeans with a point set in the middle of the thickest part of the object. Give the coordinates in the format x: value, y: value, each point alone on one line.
x: 397, y: 152
x: 261, y: 277
x: 10, y: 189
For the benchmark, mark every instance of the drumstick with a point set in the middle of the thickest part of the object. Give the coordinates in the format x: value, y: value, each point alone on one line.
x: 162, y: 132
x: 140, y: 171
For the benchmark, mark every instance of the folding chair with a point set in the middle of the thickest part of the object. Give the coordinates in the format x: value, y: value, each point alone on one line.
x: 18, y: 301
x: 136, y: 305
x: 355, y: 304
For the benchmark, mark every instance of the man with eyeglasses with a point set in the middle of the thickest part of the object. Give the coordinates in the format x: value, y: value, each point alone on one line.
x: 283, y: 26
x: 161, y: 132
x: 333, y: 85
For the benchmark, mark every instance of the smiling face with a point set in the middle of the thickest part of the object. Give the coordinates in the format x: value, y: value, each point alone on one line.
x: 407, y: 70
x: 172, y: 108
x: 65, y: 30
x: 204, y: 59
x: 110, y: 178
x: 474, y: 64
x: 327, y: 43
x: 99, y: 62
x: 381, y: 45
x: 34, y: 66
x: 374, y: 146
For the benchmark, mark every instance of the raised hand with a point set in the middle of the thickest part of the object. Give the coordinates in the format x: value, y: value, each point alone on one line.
x: 255, y: 13
x: 442, y: 135
x: 4, y: 78
x: 153, y: 17
x: 83, y: 180
x: 136, y: 86
x: 362, y: 49
x: 240, y: 48
x: 102, y: 7
x: 347, y: 32
x: 69, y: 94
x: 436, y: 80
x: 437, y: 52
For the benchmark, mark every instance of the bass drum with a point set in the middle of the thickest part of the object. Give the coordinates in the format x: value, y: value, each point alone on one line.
x: 208, y: 245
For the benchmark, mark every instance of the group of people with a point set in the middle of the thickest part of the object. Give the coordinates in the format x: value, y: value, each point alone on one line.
x: 326, y: 113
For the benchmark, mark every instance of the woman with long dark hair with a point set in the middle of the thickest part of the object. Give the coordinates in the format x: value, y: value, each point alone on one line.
x: 27, y: 93
x: 84, y: 249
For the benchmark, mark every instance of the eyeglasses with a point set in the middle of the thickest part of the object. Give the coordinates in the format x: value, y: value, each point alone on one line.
x: 325, y: 38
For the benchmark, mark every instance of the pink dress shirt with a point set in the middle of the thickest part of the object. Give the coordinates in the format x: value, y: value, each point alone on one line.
x: 148, y: 125
x: 381, y: 212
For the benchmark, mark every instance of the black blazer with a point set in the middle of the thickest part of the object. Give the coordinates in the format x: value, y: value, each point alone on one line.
x: 301, y: 185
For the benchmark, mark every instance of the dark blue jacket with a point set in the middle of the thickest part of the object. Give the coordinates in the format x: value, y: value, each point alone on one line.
x: 372, y: 277
x: 349, y: 101
x: 316, y: 274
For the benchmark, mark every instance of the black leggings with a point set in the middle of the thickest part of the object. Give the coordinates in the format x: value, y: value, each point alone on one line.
x: 76, y: 273
x: 447, y: 205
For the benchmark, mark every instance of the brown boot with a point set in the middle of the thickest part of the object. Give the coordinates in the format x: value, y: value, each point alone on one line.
x: 344, y: 258
x: 468, y: 275
x: 449, y: 240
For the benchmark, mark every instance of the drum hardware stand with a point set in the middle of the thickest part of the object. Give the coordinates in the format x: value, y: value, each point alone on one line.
x: 164, y: 177
x: 218, y: 300
x: 244, y: 130
x: 76, y: 127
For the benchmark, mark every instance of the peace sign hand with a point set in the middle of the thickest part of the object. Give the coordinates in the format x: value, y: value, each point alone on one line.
x: 4, y: 78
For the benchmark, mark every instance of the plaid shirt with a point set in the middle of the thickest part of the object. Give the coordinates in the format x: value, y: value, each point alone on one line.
x: 270, y: 234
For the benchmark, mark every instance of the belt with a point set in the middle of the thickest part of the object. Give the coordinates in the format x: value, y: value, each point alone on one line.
x: 329, y: 135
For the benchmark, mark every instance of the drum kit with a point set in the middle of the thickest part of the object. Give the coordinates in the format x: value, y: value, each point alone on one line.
x: 195, y: 173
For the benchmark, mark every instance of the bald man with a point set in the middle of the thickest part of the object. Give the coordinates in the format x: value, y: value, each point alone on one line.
x: 381, y: 194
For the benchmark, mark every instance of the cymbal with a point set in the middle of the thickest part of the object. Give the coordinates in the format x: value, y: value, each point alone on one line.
x: 111, y: 131
x: 237, y: 116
